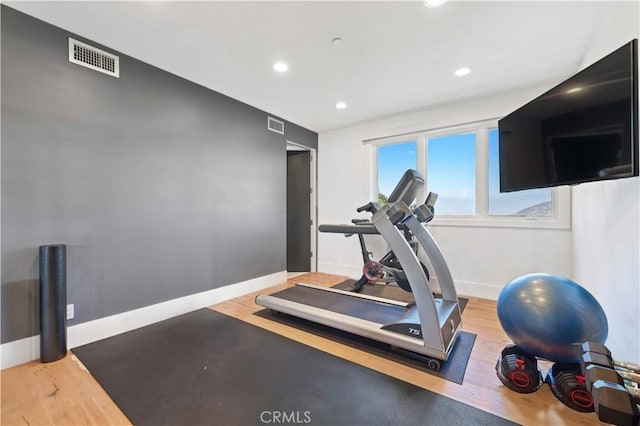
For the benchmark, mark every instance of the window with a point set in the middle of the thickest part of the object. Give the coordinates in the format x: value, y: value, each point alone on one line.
x: 393, y: 161
x: 462, y: 165
x: 451, y: 172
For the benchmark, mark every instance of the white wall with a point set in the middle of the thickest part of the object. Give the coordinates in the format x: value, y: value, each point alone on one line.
x: 606, y: 256
x: 482, y: 259
x: 606, y: 227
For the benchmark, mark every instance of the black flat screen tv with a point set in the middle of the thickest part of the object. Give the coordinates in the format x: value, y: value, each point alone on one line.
x: 584, y: 129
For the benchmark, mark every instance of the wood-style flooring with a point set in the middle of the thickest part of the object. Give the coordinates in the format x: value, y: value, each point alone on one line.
x: 64, y: 393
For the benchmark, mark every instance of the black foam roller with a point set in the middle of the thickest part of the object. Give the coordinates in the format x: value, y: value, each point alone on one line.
x: 53, y: 302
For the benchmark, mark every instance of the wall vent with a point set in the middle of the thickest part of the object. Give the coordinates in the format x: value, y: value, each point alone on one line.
x: 93, y: 58
x: 275, y: 125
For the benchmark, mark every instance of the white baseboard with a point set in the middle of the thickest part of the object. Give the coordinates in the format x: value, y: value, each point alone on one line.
x: 28, y: 349
x: 340, y: 269
x: 480, y: 290
x: 19, y: 351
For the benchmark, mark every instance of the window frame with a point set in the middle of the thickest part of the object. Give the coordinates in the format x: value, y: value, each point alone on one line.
x: 560, y: 196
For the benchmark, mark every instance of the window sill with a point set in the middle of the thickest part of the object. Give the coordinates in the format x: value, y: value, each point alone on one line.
x: 502, y: 222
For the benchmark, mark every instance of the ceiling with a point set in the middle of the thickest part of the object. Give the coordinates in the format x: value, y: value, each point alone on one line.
x: 395, y: 56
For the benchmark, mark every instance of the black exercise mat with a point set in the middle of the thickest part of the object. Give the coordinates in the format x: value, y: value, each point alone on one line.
x: 453, y: 369
x: 205, y: 368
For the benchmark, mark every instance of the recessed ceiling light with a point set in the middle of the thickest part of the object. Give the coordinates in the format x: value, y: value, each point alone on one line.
x: 462, y: 71
x: 280, y: 67
x: 336, y: 41
x: 341, y: 105
x: 434, y: 3
x: 574, y: 90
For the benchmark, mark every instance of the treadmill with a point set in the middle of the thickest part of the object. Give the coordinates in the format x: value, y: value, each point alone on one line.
x: 426, y: 329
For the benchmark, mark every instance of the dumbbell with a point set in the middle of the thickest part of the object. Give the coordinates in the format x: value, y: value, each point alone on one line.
x: 567, y: 383
x: 598, y: 354
x: 595, y: 354
x: 518, y: 370
x: 614, y: 404
x: 611, y: 399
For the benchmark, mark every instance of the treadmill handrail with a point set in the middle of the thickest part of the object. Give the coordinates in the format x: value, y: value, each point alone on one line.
x: 362, y: 228
x: 349, y: 229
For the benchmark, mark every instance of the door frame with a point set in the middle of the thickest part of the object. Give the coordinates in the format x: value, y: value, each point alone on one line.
x: 313, y: 228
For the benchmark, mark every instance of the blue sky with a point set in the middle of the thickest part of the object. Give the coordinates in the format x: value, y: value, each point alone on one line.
x: 393, y: 161
x: 451, y: 172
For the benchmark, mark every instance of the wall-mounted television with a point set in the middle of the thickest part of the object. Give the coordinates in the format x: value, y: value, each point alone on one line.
x: 584, y: 129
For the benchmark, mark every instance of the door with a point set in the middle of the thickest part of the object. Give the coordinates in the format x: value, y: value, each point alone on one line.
x: 298, y: 211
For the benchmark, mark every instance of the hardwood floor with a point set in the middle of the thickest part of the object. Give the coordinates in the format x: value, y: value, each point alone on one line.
x: 56, y: 393
x: 64, y: 393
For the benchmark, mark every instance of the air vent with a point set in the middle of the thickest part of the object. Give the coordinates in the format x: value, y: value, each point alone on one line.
x: 275, y: 125
x: 93, y: 58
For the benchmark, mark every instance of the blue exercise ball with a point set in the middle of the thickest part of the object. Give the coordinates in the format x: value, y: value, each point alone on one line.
x: 550, y: 316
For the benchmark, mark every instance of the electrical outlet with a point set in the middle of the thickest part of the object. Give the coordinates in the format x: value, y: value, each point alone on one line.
x: 70, y: 311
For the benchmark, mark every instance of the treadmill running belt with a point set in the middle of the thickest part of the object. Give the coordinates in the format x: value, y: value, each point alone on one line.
x: 353, y: 306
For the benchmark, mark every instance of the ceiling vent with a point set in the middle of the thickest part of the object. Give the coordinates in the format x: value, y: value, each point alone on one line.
x: 94, y: 58
x: 275, y: 125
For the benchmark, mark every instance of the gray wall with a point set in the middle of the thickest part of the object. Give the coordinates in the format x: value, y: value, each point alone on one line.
x: 159, y: 187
